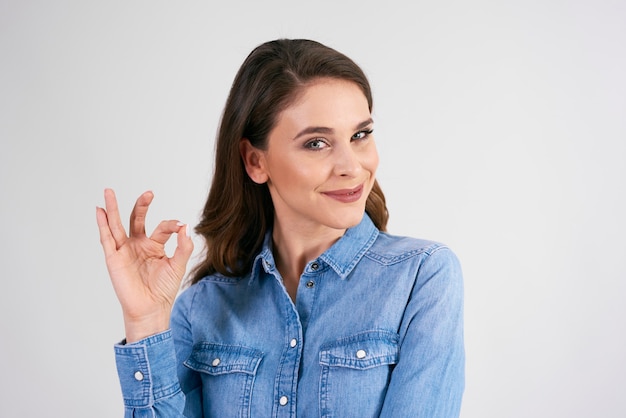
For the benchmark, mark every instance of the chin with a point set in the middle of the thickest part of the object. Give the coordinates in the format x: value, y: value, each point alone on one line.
x: 347, y: 221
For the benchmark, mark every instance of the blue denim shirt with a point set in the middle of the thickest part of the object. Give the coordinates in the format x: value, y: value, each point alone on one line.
x: 376, y: 330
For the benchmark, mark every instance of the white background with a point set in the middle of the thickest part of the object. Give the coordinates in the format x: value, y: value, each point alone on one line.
x: 501, y: 127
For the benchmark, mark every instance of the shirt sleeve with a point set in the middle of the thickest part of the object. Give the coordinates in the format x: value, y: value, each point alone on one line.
x: 429, y: 378
x: 147, y: 374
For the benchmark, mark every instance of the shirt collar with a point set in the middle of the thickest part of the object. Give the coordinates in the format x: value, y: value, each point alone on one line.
x: 342, y: 256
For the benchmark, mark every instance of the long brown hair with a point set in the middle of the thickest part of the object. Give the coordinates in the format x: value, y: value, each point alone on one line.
x: 238, y: 212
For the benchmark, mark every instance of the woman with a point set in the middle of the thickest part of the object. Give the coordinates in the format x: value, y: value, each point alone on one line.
x: 302, y: 305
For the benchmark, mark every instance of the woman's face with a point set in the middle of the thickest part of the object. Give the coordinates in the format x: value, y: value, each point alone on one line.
x: 321, y: 158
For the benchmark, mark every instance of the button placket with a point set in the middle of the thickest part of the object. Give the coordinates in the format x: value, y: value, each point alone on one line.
x: 314, y: 267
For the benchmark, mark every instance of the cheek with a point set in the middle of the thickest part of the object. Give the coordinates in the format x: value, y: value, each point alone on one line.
x: 371, y: 159
x: 288, y: 172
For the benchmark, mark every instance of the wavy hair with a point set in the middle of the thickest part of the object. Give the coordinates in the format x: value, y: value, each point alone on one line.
x: 239, y: 212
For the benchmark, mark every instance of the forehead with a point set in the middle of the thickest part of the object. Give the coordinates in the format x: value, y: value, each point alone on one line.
x: 327, y: 101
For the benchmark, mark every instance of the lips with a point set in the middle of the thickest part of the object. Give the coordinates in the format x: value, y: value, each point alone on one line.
x: 346, y: 195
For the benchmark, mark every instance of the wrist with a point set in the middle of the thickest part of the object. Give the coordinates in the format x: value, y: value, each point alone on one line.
x: 139, y: 328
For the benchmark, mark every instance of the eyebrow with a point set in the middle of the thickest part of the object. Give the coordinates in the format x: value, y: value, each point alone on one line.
x: 325, y: 130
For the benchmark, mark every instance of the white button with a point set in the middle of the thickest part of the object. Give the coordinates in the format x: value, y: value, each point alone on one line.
x: 360, y: 354
x: 138, y: 376
x: 283, y: 400
x: 216, y: 362
x: 293, y: 343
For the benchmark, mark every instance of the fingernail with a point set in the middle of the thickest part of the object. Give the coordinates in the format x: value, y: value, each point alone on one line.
x: 187, y: 231
x: 179, y: 223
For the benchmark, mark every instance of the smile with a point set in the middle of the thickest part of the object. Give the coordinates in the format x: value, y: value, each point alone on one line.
x: 346, y: 195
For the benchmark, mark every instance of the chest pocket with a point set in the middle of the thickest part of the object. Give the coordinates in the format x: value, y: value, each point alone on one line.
x: 227, y: 373
x: 355, y: 373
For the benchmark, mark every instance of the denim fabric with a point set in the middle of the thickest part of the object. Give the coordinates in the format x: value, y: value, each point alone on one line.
x: 376, y: 330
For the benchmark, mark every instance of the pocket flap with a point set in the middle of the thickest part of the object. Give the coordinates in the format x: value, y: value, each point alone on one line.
x: 216, y: 359
x: 361, y: 351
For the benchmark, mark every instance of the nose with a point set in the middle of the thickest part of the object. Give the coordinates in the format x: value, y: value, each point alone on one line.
x: 347, y: 162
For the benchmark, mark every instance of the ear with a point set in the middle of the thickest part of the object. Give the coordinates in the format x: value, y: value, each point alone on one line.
x: 254, y: 161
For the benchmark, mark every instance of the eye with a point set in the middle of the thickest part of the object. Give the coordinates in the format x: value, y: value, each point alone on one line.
x: 362, y: 134
x: 316, y: 144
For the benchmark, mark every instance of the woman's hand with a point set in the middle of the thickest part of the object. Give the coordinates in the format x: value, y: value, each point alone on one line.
x: 145, y: 279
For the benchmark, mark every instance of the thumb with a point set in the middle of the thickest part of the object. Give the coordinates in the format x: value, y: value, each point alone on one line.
x: 184, y: 248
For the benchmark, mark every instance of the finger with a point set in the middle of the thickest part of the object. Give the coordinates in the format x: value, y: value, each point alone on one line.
x: 183, y: 249
x: 164, y: 231
x: 138, y: 215
x: 113, y: 218
x: 106, y: 239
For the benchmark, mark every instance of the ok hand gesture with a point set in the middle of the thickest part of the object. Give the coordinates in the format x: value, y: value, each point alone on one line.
x: 145, y: 279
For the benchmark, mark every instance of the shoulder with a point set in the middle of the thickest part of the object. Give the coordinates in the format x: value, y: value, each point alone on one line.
x: 434, y: 267
x: 390, y: 249
x: 189, y: 294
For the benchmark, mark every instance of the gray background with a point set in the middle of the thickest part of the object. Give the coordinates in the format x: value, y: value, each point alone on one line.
x: 501, y: 128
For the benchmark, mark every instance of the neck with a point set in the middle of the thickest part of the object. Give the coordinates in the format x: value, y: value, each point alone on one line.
x: 295, y: 247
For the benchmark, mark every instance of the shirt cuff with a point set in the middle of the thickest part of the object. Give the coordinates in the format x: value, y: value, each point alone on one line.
x: 147, y: 370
